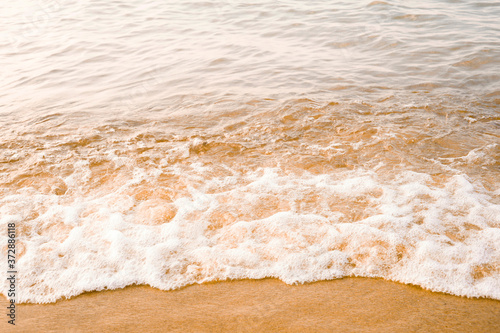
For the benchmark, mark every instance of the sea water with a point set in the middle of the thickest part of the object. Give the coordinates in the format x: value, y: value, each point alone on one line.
x: 176, y: 142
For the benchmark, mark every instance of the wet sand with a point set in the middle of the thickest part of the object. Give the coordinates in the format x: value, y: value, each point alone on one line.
x: 345, y: 305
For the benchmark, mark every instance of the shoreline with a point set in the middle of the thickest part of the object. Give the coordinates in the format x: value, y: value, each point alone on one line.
x: 349, y: 304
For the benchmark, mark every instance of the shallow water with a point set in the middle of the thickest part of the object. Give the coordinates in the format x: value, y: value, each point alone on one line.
x: 169, y: 143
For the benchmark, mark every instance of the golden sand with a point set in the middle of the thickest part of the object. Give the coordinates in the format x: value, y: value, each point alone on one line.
x: 345, y: 305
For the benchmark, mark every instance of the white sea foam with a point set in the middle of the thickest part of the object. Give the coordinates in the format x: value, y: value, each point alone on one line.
x: 442, y: 237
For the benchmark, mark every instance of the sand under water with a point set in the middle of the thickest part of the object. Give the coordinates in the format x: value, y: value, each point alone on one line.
x: 304, y: 192
x: 345, y: 305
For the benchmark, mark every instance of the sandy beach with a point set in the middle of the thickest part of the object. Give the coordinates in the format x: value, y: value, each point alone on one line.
x: 345, y: 305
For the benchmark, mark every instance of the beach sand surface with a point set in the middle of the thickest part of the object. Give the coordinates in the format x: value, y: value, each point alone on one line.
x: 269, y: 305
